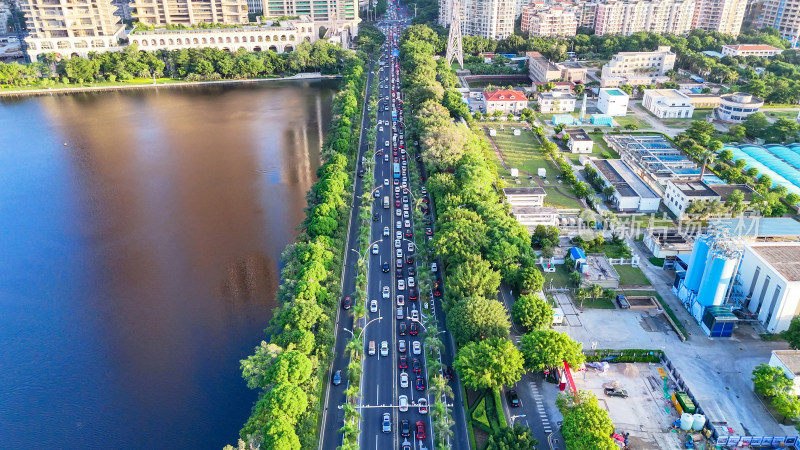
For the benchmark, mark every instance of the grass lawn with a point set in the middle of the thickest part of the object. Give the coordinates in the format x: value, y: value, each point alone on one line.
x: 699, y: 114
x: 598, y: 139
x: 627, y: 120
x: 658, y: 262
x: 629, y: 276
x: 611, y: 250
x: 600, y: 303
x: 559, y: 278
x: 523, y: 152
x: 559, y: 200
x: 782, y: 114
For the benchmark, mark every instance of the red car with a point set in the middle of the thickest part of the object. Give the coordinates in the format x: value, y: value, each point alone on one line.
x: 420, y: 430
x: 403, y: 364
x: 414, y: 330
x: 346, y: 303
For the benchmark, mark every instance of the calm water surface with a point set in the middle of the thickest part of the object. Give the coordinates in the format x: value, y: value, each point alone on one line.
x: 138, y: 263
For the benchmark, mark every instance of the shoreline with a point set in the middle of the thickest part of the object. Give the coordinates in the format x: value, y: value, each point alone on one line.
x: 71, y: 90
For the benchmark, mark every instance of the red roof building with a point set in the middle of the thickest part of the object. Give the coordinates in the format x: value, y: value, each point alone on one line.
x: 750, y: 50
x: 505, y: 100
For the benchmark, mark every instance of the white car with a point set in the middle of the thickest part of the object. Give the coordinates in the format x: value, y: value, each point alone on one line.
x: 411, y: 282
x: 380, y: 128
x: 434, y: 267
x: 386, y: 143
x: 403, y: 380
x: 416, y: 347
x: 408, y: 224
x: 386, y: 180
x: 405, y: 207
x: 397, y: 243
x: 398, y: 234
x: 401, y: 285
x: 401, y: 346
x: 386, y: 292
x: 410, y: 247
x: 398, y: 213
x: 414, y: 314
x: 405, y: 215
x: 398, y: 253
x: 423, y: 405
x: 403, y: 401
x: 374, y: 249
x: 386, y: 231
x: 401, y: 300
x: 384, y: 348
x: 399, y: 224
x: 386, y: 157
x: 373, y: 306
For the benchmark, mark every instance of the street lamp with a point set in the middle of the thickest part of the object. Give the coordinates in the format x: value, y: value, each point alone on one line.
x: 362, y: 330
x: 513, y: 418
x: 368, y: 247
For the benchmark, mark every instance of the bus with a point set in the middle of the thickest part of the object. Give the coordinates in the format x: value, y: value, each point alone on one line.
x: 386, y: 202
x: 396, y: 170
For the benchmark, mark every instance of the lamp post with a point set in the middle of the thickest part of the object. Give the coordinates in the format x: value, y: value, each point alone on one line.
x: 360, y: 256
x: 513, y: 418
x: 379, y: 318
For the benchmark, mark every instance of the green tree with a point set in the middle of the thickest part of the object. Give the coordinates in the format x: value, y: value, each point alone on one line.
x: 737, y: 133
x: 474, y: 278
x: 576, y: 277
x: 477, y: 318
x: 545, y: 349
x: 489, y: 364
x: 286, y: 402
x: 255, y: 367
x: 792, y: 334
x: 755, y: 124
x: 782, y: 131
x: 787, y: 405
x: 530, y: 280
x: 280, y: 435
x: 518, y: 437
x: 585, y: 424
x: 532, y: 312
x: 770, y: 381
x: 608, y: 191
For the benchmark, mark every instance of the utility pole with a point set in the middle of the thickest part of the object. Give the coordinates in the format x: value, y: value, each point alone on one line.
x: 454, y: 48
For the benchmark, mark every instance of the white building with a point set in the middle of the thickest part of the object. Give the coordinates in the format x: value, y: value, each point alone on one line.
x: 631, y: 194
x: 556, y: 102
x: 679, y: 194
x: 280, y: 38
x: 723, y: 16
x: 789, y: 362
x: 491, y: 19
x: 526, y: 196
x: 781, y: 15
x: 628, y: 17
x: 340, y: 17
x: 579, y: 141
x: 542, y: 70
x: 770, y: 274
x: 638, y: 68
x: 531, y: 216
x: 759, y: 50
x: 549, y: 21
x: 190, y: 12
x: 737, y: 106
x: 668, y: 103
x: 71, y: 27
x: 506, y: 101
x: 612, y: 102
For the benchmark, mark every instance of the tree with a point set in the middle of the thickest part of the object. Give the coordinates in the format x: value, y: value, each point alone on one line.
x: 286, y: 402
x: 544, y: 349
x: 280, y: 435
x: 737, y: 133
x: 532, y: 312
x: 783, y: 131
x: 517, y: 437
x: 792, y: 334
x: 787, y: 405
x: 576, y: 277
x: 585, y: 424
x: 770, y: 381
x: 474, y: 278
x: 755, y: 124
x: 255, y: 367
x: 530, y: 280
x: 291, y: 366
x: 489, y: 364
x: 608, y: 191
x: 597, y: 291
x: 477, y: 318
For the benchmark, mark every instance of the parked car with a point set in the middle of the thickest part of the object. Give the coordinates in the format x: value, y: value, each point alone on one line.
x: 622, y: 302
x: 615, y: 392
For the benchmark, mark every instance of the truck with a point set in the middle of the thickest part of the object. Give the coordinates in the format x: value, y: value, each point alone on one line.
x: 385, y: 202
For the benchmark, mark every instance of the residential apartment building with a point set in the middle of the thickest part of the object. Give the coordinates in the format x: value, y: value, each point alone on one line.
x: 491, y: 19
x: 191, y: 12
x: 668, y: 103
x: 71, y: 27
x: 506, y: 101
x: 783, y: 15
x: 628, y: 17
x: 724, y: 16
x: 638, y: 68
x: 549, y: 21
x: 445, y: 12
x: 542, y: 70
x: 760, y: 50
x: 340, y: 16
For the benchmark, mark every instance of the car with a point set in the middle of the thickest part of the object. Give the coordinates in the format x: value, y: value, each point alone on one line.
x: 401, y: 301
x: 374, y: 249
x: 386, y: 158
x: 401, y: 285
x: 398, y: 234
x: 398, y: 213
x: 385, y: 181
x: 399, y: 262
x: 410, y: 259
x: 429, y: 231
x: 398, y: 253
x: 385, y: 266
x: 400, y: 315
x: 405, y: 428
x: 387, y: 423
x: 513, y: 399
x: 402, y: 363
x: 414, y: 329
x: 411, y: 271
x: 398, y: 224
x: 396, y: 182
x: 437, y: 292
x: 434, y: 267
x: 421, y: 430
x: 423, y: 405
x: 386, y: 231
x: 380, y: 128
x: 622, y: 302
x: 397, y: 203
x: 406, y: 215
x: 405, y: 199
x: 448, y: 372
x: 416, y: 366
x: 401, y: 329
x: 397, y: 243
x: 401, y: 346
x: 411, y: 282
x: 406, y: 445
x: 403, y: 399
x: 386, y: 292
x: 347, y: 303
x: 337, y: 378
x: 386, y: 143
x: 371, y: 347
x: 419, y: 384
x: 412, y: 294
x: 407, y: 224
x: 409, y: 234
x: 377, y: 193
x: 361, y: 173
x: 398, y: 273
x: 384, y: 348
x: 414, y: 314
x: 416, y: 347
x: 376, y: 217
x: 615, y: 392
x: 373, y: 306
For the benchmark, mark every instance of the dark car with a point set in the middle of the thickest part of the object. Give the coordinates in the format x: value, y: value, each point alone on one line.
x: 385, y: 266
x: 410, y: 259
x: 347, y: 303
x: 409, y: 234
x: 337, y: 378
x: 411, y: 271
x: 398, y: 273
x: 412, y: 294
x: 513, y: 399
x: 421, y: 430
x: 437, y: 292
x: 376, y: 217
x: 403, y: 364
x: 414, y: 330
x: 420, y: 383
x: 622, y: 301
x: 429, y: 231
x: 416, y: 366
x: 616, y: 392
x: 401, y: 329
x: 448, y: 372
x: 361, y: 173
x: 405, y: 428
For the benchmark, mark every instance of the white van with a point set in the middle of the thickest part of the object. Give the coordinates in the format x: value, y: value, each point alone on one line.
x: 372, y: 347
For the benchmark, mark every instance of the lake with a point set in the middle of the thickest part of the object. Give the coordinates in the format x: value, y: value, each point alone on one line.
x: 140, y: 241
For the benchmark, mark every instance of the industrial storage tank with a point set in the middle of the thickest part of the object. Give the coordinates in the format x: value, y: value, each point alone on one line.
x: 697, y: 263
x: 698, y: 422
x: 716, y: 279
x: 686, y: 421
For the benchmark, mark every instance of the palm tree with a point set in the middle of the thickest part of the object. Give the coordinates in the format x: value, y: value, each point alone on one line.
x: 708, y: 157
x: 597, y: 291
x: 576, y: 277
x: 581, y: 295
x: 354, y: 346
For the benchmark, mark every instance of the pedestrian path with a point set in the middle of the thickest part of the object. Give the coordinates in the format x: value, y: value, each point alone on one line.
x: 540, y: 408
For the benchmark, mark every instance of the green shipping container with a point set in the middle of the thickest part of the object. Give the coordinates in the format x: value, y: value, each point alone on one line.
x: 686, y: 403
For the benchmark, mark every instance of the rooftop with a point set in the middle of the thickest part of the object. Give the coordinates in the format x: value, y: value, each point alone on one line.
x: 623, y: 178
x: 578, y: 134
x: 724, y: 190
x: 671, y: 93
x: 742, y: 98
x: 534, y: 210
x: 694, y: 188
x: 557, y: 95
x: 784, y: 258
x: 613, y: 91
x: 524, y: 191
x: 504, y: 95
x: 751, y: 47
x: 790, y: 359
x: 761, y: 226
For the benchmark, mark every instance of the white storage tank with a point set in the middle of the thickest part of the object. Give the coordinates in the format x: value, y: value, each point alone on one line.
x: 699, y: 422
x: 697, y: 263
x: 686, y: 421
x: 716, y: 279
